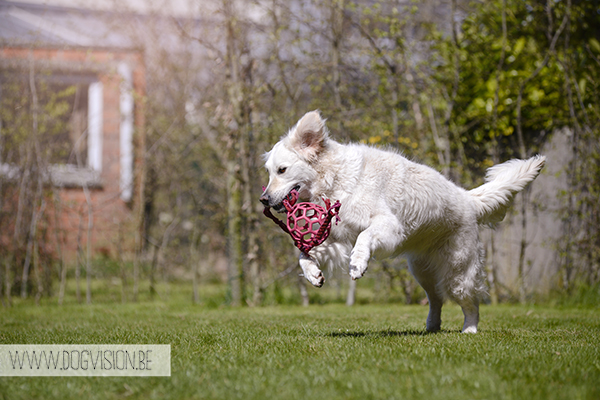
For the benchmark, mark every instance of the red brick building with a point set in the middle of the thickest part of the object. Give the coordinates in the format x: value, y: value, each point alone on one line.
x: 97, y: 167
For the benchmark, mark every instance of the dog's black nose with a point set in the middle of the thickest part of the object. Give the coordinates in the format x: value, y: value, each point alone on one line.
x: 265, y: 200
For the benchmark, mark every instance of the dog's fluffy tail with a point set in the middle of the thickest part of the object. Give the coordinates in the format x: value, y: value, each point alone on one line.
x: 503, y: 181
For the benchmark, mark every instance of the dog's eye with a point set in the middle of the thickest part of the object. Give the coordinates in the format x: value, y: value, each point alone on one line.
x: 281, y: 170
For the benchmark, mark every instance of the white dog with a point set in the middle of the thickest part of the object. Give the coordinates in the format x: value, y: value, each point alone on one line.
x: 392, y: 206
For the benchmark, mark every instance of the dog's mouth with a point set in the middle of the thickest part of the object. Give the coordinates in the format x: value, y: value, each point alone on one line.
x: 291, y: 198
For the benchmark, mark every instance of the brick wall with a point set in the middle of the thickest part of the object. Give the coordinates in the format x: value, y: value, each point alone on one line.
x: 115, y: 222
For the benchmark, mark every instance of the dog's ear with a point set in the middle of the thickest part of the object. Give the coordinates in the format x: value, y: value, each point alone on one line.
x: 309, y: 135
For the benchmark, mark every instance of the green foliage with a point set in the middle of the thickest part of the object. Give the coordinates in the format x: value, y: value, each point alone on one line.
x: 539, y: 76
x: 51, y: 119
x: 491, y: 69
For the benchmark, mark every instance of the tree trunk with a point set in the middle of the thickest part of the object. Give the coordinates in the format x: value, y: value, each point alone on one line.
x: 234, y: 234
x: 523, y: 247
x: 59, y: 241
x: 303, y: 291
x: 7, y: 283
x: 337, y: 24
x: 234, y: 181
x: 88, y: 257
x: 195, y: 265
x: 38, y: 194
x: 351, y: 298
x: 32, y: 238
x: 153, y: 268
x: 136, y: 267
x: 122, y: 272
x: 492, y: 270
x: 37, y: 272
x: 442, y: 146
x: 79, y: 260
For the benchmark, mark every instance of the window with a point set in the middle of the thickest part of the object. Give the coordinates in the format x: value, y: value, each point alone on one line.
x: 52, y: 121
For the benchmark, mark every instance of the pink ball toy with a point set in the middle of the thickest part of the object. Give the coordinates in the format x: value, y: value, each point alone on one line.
x: 308, y: 224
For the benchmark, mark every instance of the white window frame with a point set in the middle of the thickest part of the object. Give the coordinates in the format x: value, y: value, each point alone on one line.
x: 95, y: 125
x: 126, y: 131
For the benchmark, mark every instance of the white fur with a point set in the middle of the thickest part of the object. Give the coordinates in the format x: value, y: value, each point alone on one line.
x: 392, y: 206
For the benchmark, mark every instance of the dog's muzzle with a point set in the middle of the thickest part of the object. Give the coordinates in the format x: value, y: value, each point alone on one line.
x: 266, y: 200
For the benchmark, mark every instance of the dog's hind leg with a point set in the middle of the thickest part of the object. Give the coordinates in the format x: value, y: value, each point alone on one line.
x: 470, y: 308
x: 434, y: 318
x: 423, y: 275
x: 468, y: 285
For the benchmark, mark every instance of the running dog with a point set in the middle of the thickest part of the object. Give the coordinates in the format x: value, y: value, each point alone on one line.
x: 392, y: 206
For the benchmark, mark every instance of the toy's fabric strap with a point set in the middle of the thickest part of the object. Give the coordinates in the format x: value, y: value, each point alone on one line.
x: 288, y: 203
x: 267, y: 213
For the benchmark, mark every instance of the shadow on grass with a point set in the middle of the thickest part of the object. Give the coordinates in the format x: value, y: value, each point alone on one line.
x: 388, y: 333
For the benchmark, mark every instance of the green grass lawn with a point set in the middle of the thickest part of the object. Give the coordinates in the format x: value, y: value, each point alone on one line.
x: 320, y: 352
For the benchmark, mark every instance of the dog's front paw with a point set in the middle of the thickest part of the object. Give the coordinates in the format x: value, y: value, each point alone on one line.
x: 311, y: 271
x: 358, y: 264
x: 355, y: 273
x: 315, y: 279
